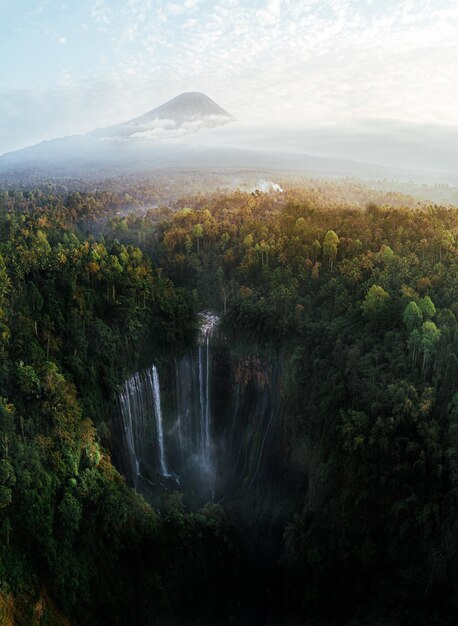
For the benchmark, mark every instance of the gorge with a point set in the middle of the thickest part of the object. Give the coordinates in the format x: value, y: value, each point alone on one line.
x: 200, y: 423
x: 286, y: 456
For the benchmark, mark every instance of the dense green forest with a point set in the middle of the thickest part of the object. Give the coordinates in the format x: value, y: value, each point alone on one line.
x: 357, y: 300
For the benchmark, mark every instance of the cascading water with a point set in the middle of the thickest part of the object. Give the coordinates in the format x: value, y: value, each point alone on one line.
x: 207, y: 327
x: 215, y: 426
x: 184, y: 445
x: 128, y: 403
x: 158, y: 414
x: 193, y: 403
x: 139, y: 400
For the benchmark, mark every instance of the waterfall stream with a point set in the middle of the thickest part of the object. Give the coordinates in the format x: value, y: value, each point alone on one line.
x: 127, y: 399
x: 159, y: 425
x: 139, y: 400
x: 180, y: 441
x: 192, y: 421
x: 204, y: 392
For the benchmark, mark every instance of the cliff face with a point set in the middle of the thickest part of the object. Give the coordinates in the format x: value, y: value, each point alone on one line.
x: 248, y: 419
x: 216, y: 431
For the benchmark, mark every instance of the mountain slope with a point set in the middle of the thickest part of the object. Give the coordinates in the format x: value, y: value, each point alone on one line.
x: 159, y: 139
x: 184, y: 108
x: 188, y: 112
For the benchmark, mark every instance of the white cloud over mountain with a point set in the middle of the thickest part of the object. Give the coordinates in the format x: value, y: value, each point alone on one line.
x: 302, y: 63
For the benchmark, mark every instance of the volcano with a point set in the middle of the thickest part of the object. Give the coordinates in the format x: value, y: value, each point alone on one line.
x: 188, y: 112
x: 145, y: 142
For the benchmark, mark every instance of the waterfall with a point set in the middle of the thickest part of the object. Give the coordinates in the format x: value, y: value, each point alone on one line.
x: 204, y: 406
x: 193, y: 422
x: 184, y: 448
x: 181, y: 406
x: 158, y: 414
x: 208, y: 324
x: 126, y: 399
x: 139, y: 401
x: 201, y: 408
x: 207, y: 399
x: 168, y: 425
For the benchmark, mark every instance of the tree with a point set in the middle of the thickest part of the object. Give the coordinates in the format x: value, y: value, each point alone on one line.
x: 226, y: 289
x: 386, y: 253
x: 7, y: 481
x: 447, y: 242
x: 188, y: 244
x: 248, y: 241
x: 7, y: 429
x: 376, y: 302
x: 430, y: 336
x: 412, y: 316
x: 5, y: 286
x: 427, y: 307
x: 197, y: 233
x: 316, y: 250
x: 330, y: 245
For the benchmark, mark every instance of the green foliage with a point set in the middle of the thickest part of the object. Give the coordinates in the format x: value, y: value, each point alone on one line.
x: 412, y: 316
x: 28, y: 380
x: 366, y: 449
x: 330, y: 246
x: 376, y: 302
x: 387, y: 253
x: 427, y: 307
x: 7, y: 481
x: 76, y: 316
x: 369, y: 440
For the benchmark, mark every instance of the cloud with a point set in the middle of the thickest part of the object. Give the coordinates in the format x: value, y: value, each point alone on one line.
x: 100, y: 12
x: 407, y: 145
x: 40, y: 7
x: 62, y: 40
x: 160, y: 130
x: 309, y: 64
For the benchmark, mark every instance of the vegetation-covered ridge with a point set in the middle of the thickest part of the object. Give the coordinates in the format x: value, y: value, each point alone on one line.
x: 360, y: 303
x: 76, y: 316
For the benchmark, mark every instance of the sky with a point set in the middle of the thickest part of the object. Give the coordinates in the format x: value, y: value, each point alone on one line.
x: 342, y: 68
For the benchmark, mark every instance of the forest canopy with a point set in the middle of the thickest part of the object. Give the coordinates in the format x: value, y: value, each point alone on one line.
x: 358, y: 303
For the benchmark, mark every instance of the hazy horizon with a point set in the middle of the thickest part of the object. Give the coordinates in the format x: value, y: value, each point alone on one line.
x: 363, y: 80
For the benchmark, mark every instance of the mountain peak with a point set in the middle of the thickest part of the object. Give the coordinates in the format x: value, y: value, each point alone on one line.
x: 188, y: 112
x: 187, y: 107
x: 191, y: 94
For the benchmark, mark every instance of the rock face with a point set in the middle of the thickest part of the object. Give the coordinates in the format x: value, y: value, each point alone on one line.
x: 222, y: 419
x: 188, y: 112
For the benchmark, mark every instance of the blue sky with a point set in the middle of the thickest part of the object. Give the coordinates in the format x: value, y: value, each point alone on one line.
x: 68, y: 66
